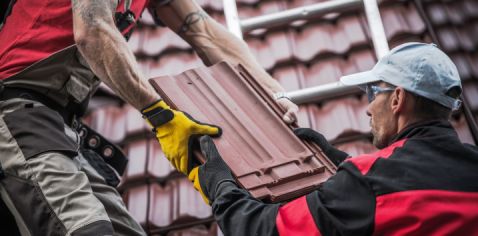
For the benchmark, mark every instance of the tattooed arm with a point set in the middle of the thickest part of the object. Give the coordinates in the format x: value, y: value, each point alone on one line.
x: 213, y: 43
x: 107, y: 52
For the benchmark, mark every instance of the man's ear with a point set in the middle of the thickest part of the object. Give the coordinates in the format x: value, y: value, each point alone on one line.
x: 397, y: 100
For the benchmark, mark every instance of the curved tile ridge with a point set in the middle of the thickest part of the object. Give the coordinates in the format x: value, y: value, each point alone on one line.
x: 402, y: 19
x: 174, y: 204
x: 338, y: 116
x: 330, y: 69
x: 328, y: 38
x: 147, y: 162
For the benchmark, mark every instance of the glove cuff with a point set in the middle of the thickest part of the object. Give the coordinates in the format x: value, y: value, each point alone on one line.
x: 158, y: 113
x: 280, y: 95
x: 159, y: 104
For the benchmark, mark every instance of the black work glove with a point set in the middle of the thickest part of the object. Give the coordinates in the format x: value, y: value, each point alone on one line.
x: 208, y: 176
x: 335, y: 155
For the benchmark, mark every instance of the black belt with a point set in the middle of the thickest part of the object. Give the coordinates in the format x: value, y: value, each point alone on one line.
x: 7, y: 93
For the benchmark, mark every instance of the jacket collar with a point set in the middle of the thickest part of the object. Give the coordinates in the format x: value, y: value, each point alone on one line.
x: 426, y: 129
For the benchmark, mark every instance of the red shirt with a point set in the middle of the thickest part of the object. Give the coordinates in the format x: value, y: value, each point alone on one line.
x: 36, y: 29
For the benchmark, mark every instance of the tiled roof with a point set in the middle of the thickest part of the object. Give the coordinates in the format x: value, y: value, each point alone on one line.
x: 299, y: 55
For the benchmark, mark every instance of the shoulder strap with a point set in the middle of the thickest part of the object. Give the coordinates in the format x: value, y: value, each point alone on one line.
x: 127, y: 5
x: 5, y: 10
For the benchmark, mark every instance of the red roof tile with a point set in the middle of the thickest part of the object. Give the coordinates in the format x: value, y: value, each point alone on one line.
x: 471, y: 94
x: 176, y: 203
x: 110, y: 122
x: 134, y: 121
x: 265, y: 7
x: 328, y: 38
x: 171, y: 64
x: 337, y: 116
x: 289, y: 77
x: 463, y: 130
x: 261, y: 150
x: 146, y: 161
x: 401, y: 19
x: 160, y: 39
x: 273, y: 49
x: 331, y: 69
x: 303, y: 118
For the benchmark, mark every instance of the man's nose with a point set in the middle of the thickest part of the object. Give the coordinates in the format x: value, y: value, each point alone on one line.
x: 368, y: 111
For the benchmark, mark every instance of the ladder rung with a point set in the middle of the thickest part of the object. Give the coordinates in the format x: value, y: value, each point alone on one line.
x: 299, y: 13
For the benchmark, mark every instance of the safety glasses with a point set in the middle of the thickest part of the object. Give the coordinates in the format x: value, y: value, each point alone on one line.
x: 373, y: 90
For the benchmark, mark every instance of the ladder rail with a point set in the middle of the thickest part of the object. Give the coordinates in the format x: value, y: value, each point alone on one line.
x: 326, y: 91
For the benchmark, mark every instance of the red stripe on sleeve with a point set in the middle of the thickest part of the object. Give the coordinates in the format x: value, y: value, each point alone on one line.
x: 365, y: 162
x: 294, y: 218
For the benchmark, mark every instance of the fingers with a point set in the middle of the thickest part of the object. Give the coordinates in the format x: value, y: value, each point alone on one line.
x: 210, y: 130
x: 194, y: 178
x: 303, y: 133
x: 203, y: 128
x: 208, y: 147
x: 290, y: 117
x: 291, y: 110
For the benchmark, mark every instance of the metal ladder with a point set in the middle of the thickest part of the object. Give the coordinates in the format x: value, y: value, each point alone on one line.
x: 326, y: 91
x: 335, y: 89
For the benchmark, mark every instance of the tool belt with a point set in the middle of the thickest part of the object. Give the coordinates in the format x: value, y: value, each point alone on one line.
x: 90, y: 139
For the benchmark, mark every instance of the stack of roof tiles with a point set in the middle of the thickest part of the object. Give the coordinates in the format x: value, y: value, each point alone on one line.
x: 299, y: 55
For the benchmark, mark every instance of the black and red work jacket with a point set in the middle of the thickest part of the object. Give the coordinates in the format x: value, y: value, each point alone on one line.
x: 424, y: 183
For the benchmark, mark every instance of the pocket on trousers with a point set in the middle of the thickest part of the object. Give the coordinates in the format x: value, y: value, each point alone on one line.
x: 38, y: 130
x: 32, y: 207
x: 97, y: 162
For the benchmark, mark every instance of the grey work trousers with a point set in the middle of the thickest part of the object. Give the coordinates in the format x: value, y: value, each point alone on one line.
x: 48, y: 186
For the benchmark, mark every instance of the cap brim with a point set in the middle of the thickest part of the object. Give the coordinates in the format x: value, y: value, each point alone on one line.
x: 359, y: 78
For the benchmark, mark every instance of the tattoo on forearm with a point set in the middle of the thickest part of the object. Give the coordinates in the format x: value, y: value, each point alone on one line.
x: 92, y: 10
x: 191, y: 19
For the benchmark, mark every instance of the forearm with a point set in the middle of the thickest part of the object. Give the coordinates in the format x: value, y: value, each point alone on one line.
x: 212, y: 42
x: 108, y: 54
x: 238, y: 213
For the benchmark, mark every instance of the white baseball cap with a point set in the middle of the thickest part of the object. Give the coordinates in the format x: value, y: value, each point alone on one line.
x: 419, y: 68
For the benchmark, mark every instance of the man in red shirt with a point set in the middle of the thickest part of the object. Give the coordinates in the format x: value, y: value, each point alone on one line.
x: 53, y: 55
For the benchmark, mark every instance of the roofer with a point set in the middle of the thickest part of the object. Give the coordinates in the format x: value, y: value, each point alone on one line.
x: 423, y: 181
x: 53, y: 55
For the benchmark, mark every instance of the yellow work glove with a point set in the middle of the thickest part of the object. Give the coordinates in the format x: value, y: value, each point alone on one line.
x: 175, y: 131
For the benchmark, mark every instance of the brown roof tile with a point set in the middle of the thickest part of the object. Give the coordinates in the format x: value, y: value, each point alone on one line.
x: 146, y: 161
x: 261, y: 150
x: 340, y: 115
x: 271, y: 50
x: 176, y: 203
x: 134, y: 121
x: 331, y: 69
x: 328, y: 38
x: 463, y: 130
x: 401, y: 19
x: 290, y: 77
x: 110, y: 122
x: 159, y: 39
x: 171, y: 64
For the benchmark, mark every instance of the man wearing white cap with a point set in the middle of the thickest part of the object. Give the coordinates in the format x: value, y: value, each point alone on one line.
x: 423, y: 181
